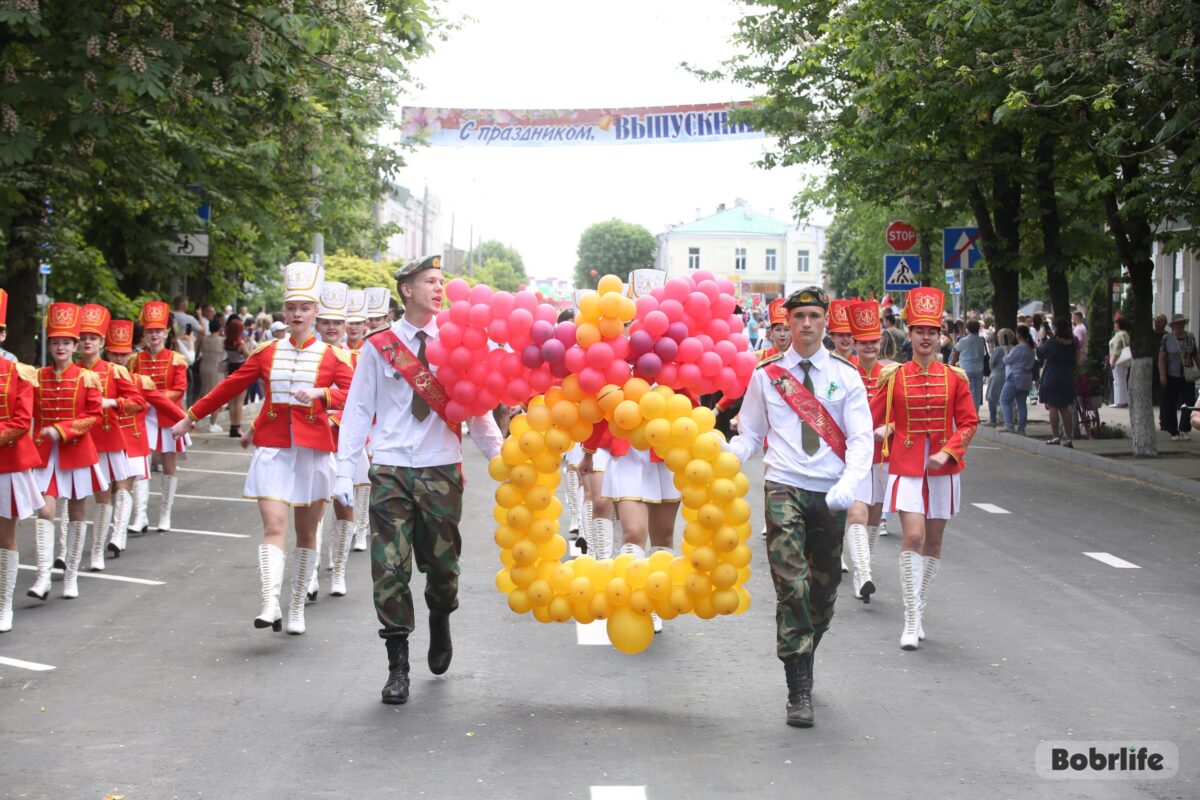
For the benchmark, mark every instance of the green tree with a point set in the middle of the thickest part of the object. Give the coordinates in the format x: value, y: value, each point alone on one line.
x: 612, y: 247
x: 500, y: 274
x: 359, y: 273
x: 494, y: 250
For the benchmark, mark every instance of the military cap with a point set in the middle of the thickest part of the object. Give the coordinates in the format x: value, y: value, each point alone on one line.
x: 808, y: 296
x: 418, y: 265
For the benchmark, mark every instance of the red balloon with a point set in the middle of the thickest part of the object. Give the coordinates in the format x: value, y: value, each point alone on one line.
x: 540, y: 380
x: 575, y: 359
x: 591, y: 380
x: 723, y: 306
x: 437, y: 352
x: 520, y: 320
x: 739, y: 341
x: 708, y: 288
x: 502, y: 304
x: 672, y: 308
x: 479, y: 315
x: 450, y: 335
x: 697, y: 305
x: 645, y: 304
x: 718, y: 329
x: 474, y: 339
x: 461, y: 358
x: 479, y: 371
x: 526, y: 301
x: 620, y: 347
x: 726, y: 351
x: 463, y: 392
x: 690, y: 350
x: 677, y: 289
x: 480, y: 293
x: 689, y: 375
x: 706, y: 341
x: 744, y: 364
x: 728, y: 382
x: 656, y: 323
x: 669, y: 376
x: 518, y: 392
x: 599, y: 355
x: 710, y: 364
x: 460, y: 312
x: 495, y: 382
x: 448, y: 375
x: 617, y: 373
x: 443, y: 317
x: 498, y: 331
x: 456, y: 411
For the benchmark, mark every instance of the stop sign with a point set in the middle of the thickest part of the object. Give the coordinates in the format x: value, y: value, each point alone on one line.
x: 901, y: 236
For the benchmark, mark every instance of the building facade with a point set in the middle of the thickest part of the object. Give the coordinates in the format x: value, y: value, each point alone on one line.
x: 1177, y: 283
x: 418, y: 214
x: 763, y: 256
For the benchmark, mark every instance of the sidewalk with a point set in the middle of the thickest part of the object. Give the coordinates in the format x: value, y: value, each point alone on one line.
x: 1177, y: 467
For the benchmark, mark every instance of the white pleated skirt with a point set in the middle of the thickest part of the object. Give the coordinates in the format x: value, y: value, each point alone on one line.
x: 872, y: 488
x: 298, y: 476
x: 161, y: 439
x: 116, y: 466
x: 19, y: 495
x: 69, y: 484
x: 935, y: 496
x: 140, y: 466
x: 575, y: 455
x: 634, y: 476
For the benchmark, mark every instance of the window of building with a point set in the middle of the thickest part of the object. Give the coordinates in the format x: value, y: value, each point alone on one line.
x: 693, y: 258
x: 739, y: 259
x: 770, y: 259
x: 802, y: 261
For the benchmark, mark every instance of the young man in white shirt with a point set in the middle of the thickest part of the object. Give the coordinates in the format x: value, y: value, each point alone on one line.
x: 819, y: 453
x: 416, y: 475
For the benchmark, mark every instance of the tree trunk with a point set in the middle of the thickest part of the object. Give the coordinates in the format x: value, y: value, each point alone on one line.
x: 1142, y: 425
x: 1051, y: 222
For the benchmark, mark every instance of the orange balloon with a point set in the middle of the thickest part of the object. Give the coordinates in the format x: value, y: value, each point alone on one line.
x: 587, y: 334
x: 608, y: 283
x: 571, y: 389
x: 590, y: 410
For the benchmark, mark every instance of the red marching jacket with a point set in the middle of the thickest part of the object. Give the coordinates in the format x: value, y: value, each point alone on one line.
x: 934, y: 404
x: 871, y: 384
x: 133, y: 424
x: 17, y: 383
x: 116, y: 384
x: 335, y: 415
x: 168, y: 370
x: 284, y: 366
x: 70, y: 402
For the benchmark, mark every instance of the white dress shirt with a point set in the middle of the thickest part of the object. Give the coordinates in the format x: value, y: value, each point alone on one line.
x: 766, y: 415
x: 398, y: 439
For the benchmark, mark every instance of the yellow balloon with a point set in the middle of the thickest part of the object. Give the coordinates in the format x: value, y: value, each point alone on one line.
x: 532, y: 443
x: 609, y: 397
x: 539, y: 418
x: 636, y: 573
x: 678, y: 406
x: 546, y: 461
x: 722, y: 491
x: 737, y: 511
x: 548, y: 479
x: 540, y: 530
x: 523, y: 476
x: 627, y: 414
x: 599, y: 606
x: 704, y: 418
x: 680, y: 600
x: 704, y: 559
x: 506, y: 558
x: 617, y: 592
x: 696, y: 534
x: 634, y: 389
x: 498, y: 470
x: 561, y: 577
x: 524, y: 552
x: 560, y: 608
x: 629, y: 631
x: 583, y: 566
x: 518, y: 425
x: 571, y: 389
x: 740, y: 556
x: 707, y: 445
x: 518, y: 601
x: 679, y: 570
x: 608, y: 283
x: 552, y: 511
x: 639, y: 601
x: 711, y: 516
x: 726, y: 465
x: 582, y: 613
x: 554, y: 549
x: 658, y: 430
x: 558, y: 440
x: 683, y: 431
x: 538, y: 498
x: 540, y: 593
x: 504, y: 583
x: 564, y: 413
x: 581, y: 431
x: 602, y: 572
x: 665, y: 610
x: 743, y: 601
x: 697, y: 584
x: 519, y: 518
x: 652, y: 405
x: 637, y: 438
x: 511, y: 453
x: 628, y: 310
x: 589, y: 410
x: 725, y: 601
x: 699, y: 472
x: 725, y: 539
x: 587, y: 334
x: 581, y: 590
x: 541, y: 613
x: 522, y: 576
x: 589, y: 306
x: 677, y: 458
x: 506, y: 537
x: 702, y: 607
x: 724, y: 575
x: 742, y: 484
x: 508, y: 495
x: 658, y: 585
x: 553, y: 395
x: 660, y: 560
x: 610, y: 305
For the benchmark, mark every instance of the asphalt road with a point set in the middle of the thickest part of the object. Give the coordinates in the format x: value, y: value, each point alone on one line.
x: 166, y: 690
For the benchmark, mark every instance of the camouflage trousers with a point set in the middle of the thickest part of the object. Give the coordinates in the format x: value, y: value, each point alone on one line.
x: 414, y: 511
x: 804, y: 549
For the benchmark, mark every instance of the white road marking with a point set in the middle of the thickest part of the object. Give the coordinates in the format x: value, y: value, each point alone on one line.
x: 220, y: 453
x: 592, y: 633
x: 983, y: 447
x: 206, y: 497
x: 31, y: 665
x: 572, y: 549
x: 618, y: 793
x: 991, y: 509
x: 1112, y: 561
x: 102, y: 576
x: 212, y: 471
x: 211, y: 533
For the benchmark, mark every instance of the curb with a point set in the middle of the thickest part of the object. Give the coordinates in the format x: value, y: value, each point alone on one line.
x: 1159, y: 478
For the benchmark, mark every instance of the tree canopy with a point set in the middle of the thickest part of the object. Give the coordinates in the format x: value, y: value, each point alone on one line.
x: 612, y: 247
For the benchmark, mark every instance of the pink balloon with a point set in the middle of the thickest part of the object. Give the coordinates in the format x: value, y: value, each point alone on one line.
x: 744, y: 364
x: 546, y: 313
x: 575, y: 359
x: 672, y: 308
x: 739, y: 341
x: 645, y: 304
x: 478, y: 372
x: 460, y: 312
x: 705, y: 341
x: 448, y: 375
x: 463, y: 392
x: 677, y: 289
x: 520, y: 321
x: 723, y: 306
x: 718, y: 329
x: 620, y: 347
x: 552, y: 352
x: 450, y: 335
x: 526, y: 301
x: 479, y: 315
x: 698, y: 305
x: 591, y: 380
x: 457, y: 289
x: 736, y: 324
x: 480, y: 293
x: 511, y: 365
x: 656, y: 323
x: 565, y: 332
x: 726, y: 286
x: 669, y: 376
x: 710, y: 364
x: 443, y: 317
x: 702, y: 275
x: 540, y: 331
x: 618, y: 372
x: 498, y: 331
x: 518, y: 391
x: 599, y: 355
x: 461, y: 358
x: 689, y: 375
x: 437, y: 352
x: 728, y: 380
x: 456, y: 411
x: 709, y: 289
x: 474, y: 339
x: 501, y: 303
x: 649, y: 365
x: 690, y: 350
x: 540, y: 380
x: 726, y: 351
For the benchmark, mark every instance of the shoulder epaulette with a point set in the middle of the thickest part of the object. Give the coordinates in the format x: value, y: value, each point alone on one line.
x: 91, y: 379
x: 147, y: 382
x: 384, y: 329
x: 28, y: 374
x: 263, y: 346
x: 342, y: 356
x: 119, y: 371
x: 842, y: 358
x: 959, y: 372
x: 178, y: 359
x: 886, y: 373
x: 769, y: 360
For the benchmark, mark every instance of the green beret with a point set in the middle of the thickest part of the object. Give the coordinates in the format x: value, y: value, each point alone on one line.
x: 418, y: 265
x: 808, y: 296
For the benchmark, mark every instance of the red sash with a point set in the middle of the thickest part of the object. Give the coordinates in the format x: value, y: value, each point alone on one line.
x: 808, y: 407
x: 422, y: 381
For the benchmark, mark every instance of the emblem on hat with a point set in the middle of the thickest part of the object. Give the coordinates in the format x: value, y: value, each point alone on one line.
x: 333, y: 300
x: 356, y: 305
x: 302, y: 281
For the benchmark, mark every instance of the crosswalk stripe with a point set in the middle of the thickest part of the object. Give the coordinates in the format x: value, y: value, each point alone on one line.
x: 1112, y: 561
x: 104, y: 576
x: 991, y: 509
x: 211, y: 533
x: 592, y: 633
x: 30, y: 665
x: 206, y: 497
x: 212, y: 471
x: 618, y: 793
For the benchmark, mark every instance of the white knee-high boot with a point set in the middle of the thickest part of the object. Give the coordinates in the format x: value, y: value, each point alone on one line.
x: 100, y: 524
x: 858, y: 543
x: 574, y: 505
x: 362, y: 516
x: 931, y: 568
x: 169, y: 483
x: 343, y: 532
x: 586, y: 529
x: 141, y: 500
x: 44, y: 538
x: 303, y: 563
x: 64, y: 519
x: 910, y: 587
x: 602, y: 536
x: 270, y: 574
x: 122, y: 510
x: 872, y: 537
x: 314, y: 584
x: 76, y: 532
x: 10, y: 561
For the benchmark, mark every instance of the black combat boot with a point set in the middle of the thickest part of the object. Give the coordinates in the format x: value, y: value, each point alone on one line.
x: 798, y: 670
x: 440, y: 648
x: 395, y: 691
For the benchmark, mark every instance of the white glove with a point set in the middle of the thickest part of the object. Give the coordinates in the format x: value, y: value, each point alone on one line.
x: 343, y: 491
x: 839, y: 497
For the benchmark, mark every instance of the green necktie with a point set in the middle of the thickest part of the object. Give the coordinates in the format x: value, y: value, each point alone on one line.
x: 809, y: 439
x: 420, y: 408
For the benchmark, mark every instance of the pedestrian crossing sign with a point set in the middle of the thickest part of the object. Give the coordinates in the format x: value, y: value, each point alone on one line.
x: 900, y: 272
